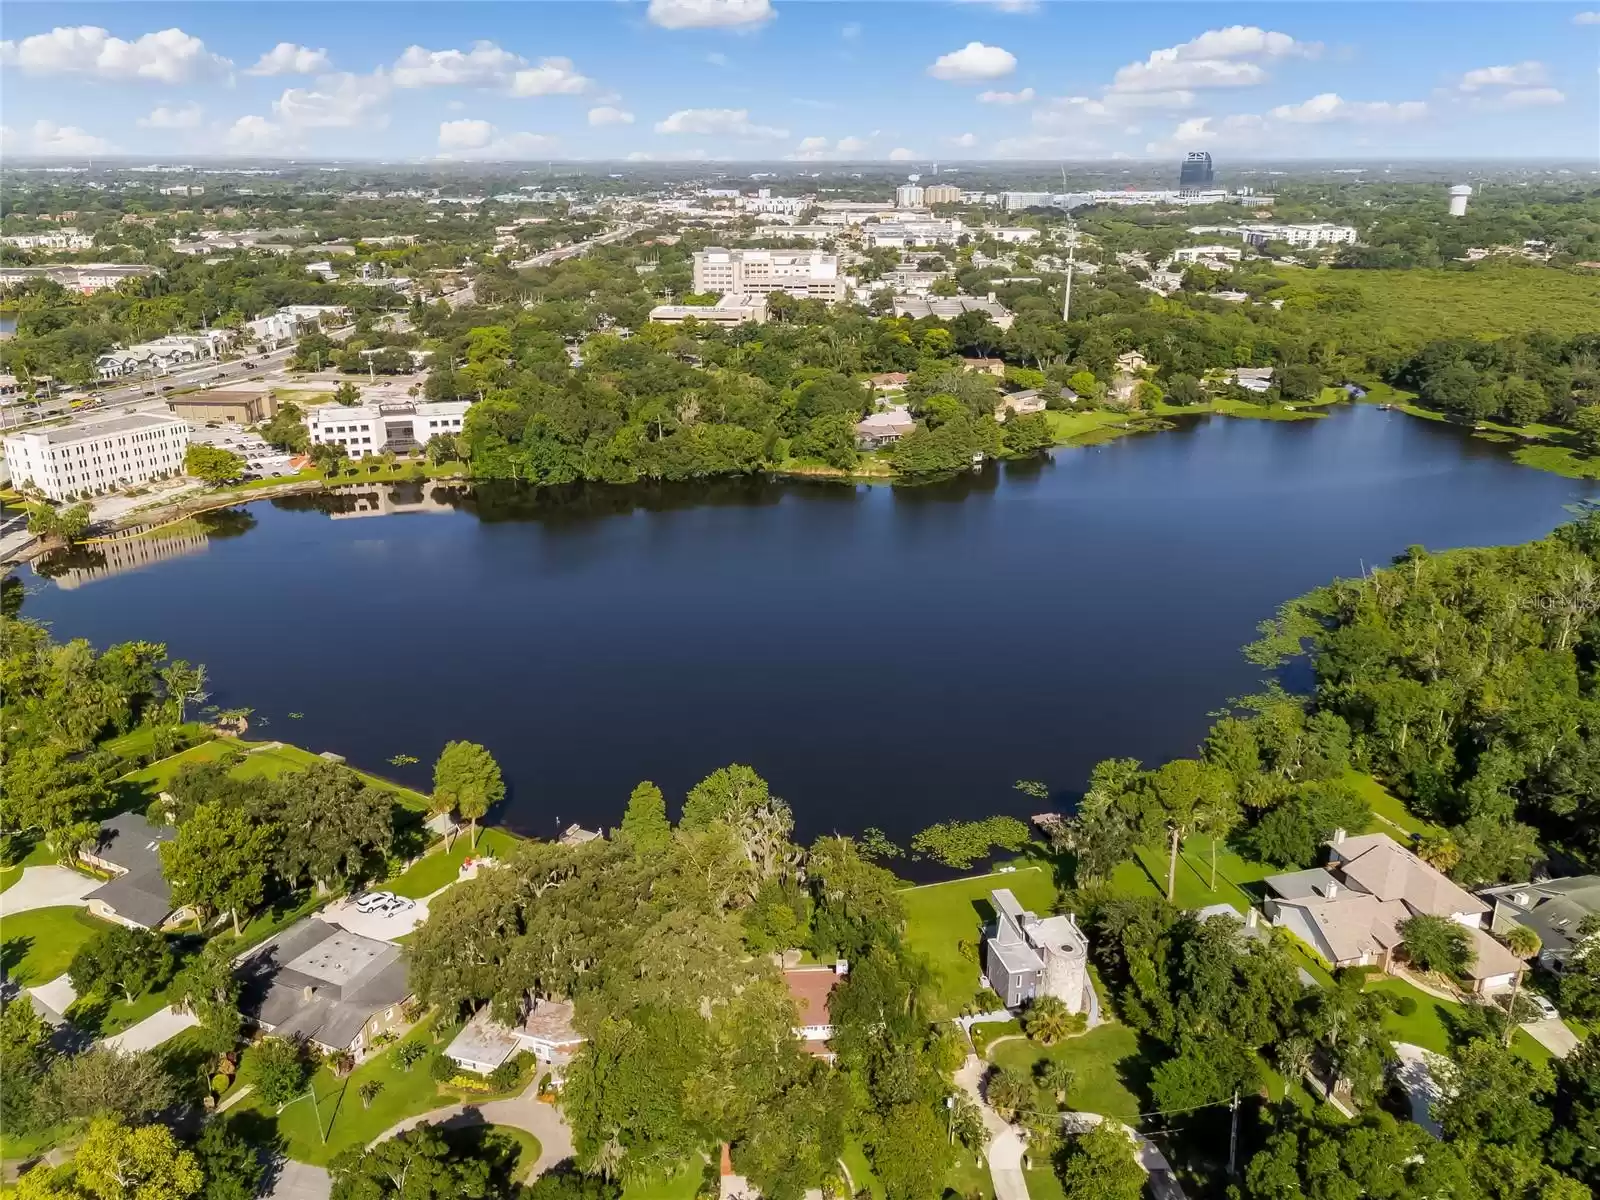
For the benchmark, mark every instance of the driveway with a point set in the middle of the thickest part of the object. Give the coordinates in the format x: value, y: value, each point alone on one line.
x: 1415, y: 1074
x: 1005, y: 1143
x: 290, y: 1180
x: 45, y: 887
x: 385, y: 927
x: 1554, y: 1036
x: 524, y: 1112
x: 56, y: 996
x: 155, y: 1030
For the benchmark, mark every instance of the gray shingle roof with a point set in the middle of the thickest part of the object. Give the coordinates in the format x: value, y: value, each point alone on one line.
x: 320, y: 982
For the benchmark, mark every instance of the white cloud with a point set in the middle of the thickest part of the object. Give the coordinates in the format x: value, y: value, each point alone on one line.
x: 1523, y: 74
x: 187, y: 116
x: 1330, y: 106
x: 469, y: 138
x: 1025, y: 96
x: 901, y: 154
x: 819, y: 149
x: 339, y: 101
x: 606, y: 114
x: 728, y: 122
x: 286, y: 58
x: 710, y: 14
x: 488, y: 65
x: 717, y: 59
x: 169, y: 56
x: 466, y: 134
x: 1587, y: 18
x: 1218, y: 58
x: 965, y: 141
x: 1241, y: 131
x: 46, y: 138
x: 852, y: 145
x: 255, y: 134
x: 973, y: 62
x: 1540, y: 97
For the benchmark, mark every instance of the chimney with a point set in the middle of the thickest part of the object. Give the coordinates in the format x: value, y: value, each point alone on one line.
x: 841, y: 966
x: 1333, y: 890
x: 308, y: 993
x: 1338, y: 837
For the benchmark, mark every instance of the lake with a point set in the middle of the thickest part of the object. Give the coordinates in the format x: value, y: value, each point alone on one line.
x: 884, y: 656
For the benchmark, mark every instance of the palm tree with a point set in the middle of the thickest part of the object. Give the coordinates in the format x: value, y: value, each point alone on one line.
x: 1055, y: 1077
x: 1008, y: 1092
x: 1047, y: 1021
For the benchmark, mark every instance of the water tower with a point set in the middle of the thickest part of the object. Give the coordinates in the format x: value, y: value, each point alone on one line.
x: 1459, y: 195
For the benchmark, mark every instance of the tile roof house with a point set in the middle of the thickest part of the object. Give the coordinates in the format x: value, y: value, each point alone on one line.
x: 811, y: 989
x: 1351, y: 911
x: 546, y: 1032
x: 138, y: 896
x: 884, y: 428
x: 323, y: 984
x: 1555, y: 909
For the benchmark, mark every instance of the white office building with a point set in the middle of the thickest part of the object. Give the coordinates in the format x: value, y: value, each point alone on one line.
x: 727, y: 312
x: 1301, y: 237
x: 1189, y: 254
x: 399, y: 425
x: 100, y: 456
x: 902, y: 235
x: 803, y: 274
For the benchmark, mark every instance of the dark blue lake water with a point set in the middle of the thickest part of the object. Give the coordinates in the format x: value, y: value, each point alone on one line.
x: 884, y: 656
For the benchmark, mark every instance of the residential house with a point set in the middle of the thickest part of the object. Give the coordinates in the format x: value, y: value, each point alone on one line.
x: 325, y: 985
x: 545, y: 1031
x: 1554, y: 909
x: 1025, y: 956
x: 812, y: 988
x: 1351, y: 911
x: 986, y: 366
x: 884, y: 428
x: 1251, y: 379
x: 129, y: 847
x: 1131, y: 362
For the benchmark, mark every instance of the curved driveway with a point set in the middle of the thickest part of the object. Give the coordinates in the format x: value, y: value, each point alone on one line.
x: 525, y: 1112
x: 46, y: 887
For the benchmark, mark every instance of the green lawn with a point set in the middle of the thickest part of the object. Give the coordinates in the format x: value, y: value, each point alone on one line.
x: 37, y: 945
x: 682, y: 1186
x: 968, y: 1179
x: 1108, y: 1066
x: 985, y: 1032
x: 939, y: 917
x: 1390, y: 808
x: 528, y: 1148
x: 440, y: 869
x: 1146, y: 875
x: 862, y: 1175
x: 39, y: 855
x: 345, y: 1122
x: 1428, y: 1026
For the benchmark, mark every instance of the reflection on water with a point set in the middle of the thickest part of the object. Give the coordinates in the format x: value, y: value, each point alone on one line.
x: 134, y: 549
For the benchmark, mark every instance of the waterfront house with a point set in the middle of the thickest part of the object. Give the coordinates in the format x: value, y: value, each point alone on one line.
x: 811, y: 989
x: 884, y: 428
x: 138, y: 895
x: 1025, y: 957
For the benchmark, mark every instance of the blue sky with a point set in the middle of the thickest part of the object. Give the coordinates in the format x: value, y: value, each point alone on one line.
x: 803, y: 79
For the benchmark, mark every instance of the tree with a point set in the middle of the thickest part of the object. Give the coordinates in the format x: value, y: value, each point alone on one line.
x: 1490, y: 1094
x: 281, y: 1070
x: 1299, y: 382
x: 105, y: 1082
x: 1055, y: 1076
x: 419, y: 1164
x: 66, y: 525
x: 1184, y: 390
x: 1047, y: 1021
x: 1522, y: 941
x: 1099, y: 1164
x: 219, y: 861
x: 1436, y: 944
x: 347, y: 394
x: 231, y: 1165
x: 26, y: 1053
x: 130, y: 960
x: 1586, y: 424
x: 1174, y: 800
x: 1575, y: 1130
x: 334, y: 826
x: 208, y: 988
x: 370, y: 1089
x: 645, y: 820
x: 466, y: 779
x: 212, y: 464
x: 115, y: 1162
x: 736, y: 799
x: 1008, y: 1092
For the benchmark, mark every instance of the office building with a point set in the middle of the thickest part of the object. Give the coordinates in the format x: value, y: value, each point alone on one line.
x: 1459, y: 195
x: 1195, y: 175
x: 803, y: 274
x: 399, y: 425
x: 908, y: 195
x: 941, y: 193
x: 1301, y: 237
x: 901, y: 235
x: 78, y: 460
x: 729, y: 311
x: 242, y: 403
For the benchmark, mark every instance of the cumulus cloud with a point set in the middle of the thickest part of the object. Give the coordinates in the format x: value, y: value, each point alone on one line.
x: 488, y: 65
x: 727, y: 122
x: 339, y: 101
x: 606, y: 114
x: 965, y: 141
x: 286, y: 58
x: 468, y: 138
x: 974, y: 62
x: 169, y: 56
x: 1330, y: 106
x: 901, y: 154
x: 817, y: 149
x: 1540, y: 97
x: 710, y: 14
x: 255, y: 134
x: 1523, y: 74
x: 1218, y: 58
x: 187, y: 116
x: 1586, y: 18
x: 46, y: 138
x: 1025, y: 96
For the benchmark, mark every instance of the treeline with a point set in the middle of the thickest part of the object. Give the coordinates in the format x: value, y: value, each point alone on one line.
x: 663, y: 935
x: 1537, y: 377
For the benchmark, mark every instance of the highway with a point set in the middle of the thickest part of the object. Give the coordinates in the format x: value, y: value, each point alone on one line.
x: 565, y: 252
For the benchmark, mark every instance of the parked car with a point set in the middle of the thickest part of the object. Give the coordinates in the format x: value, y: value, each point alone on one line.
x: 249, y: 366
x: 396, y: 904
x: 374, y: 901
x: 1547, y: 1011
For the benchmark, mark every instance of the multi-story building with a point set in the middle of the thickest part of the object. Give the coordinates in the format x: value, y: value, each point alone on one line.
x: 1301, y: 237
x: 399, y: 425
x: 1189, y: 254
x: 904, y: 234
x: 908, y: 195
x: 1196, y: 174
x: 87, y: 278
x: 729, y: 311
x: 941, y: 193
x: 101, y: 456
x: 1026, y: 957
x: 804, y: 274
x: 59, y: 239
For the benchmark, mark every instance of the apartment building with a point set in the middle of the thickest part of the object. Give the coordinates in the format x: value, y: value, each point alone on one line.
x: 57, y: 239
x: 909, y: 195
x: 86, y: 278
x: 1301, y: 237
x: 399, y: 425
x: 941, y: 193
x: 100, y: 456
x: 804, y: 274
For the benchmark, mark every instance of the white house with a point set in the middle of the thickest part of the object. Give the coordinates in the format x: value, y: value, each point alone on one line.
x: 546, y: 1032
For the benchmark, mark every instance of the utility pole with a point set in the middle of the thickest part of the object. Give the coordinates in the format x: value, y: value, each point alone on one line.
x: 317, y: 1109
x: 1233, y: 1134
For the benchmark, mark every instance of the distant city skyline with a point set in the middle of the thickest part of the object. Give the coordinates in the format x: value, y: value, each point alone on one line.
x: 801, y: 81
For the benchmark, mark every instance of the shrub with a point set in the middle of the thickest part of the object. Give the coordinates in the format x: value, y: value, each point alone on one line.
x: 504, y: 1077
x: 1405, y: 1006
x: 442, y: 1068
x: 409, y: 1053
x: 220, y: 1082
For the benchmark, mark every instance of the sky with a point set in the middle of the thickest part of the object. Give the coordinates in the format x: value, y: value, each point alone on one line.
x: 808, y: 80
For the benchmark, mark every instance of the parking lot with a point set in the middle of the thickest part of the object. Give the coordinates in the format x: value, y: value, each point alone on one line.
x: 386, y: 927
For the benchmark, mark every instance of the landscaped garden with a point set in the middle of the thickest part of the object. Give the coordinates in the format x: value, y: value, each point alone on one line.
x: 441, y: 868
x: 1106, y: 1064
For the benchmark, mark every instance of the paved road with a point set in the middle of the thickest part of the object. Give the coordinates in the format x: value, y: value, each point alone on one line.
x: 523, y: 1112
x: 565, y: 252
x: 290, y: 1180
x: 46, y: 887
x: 1005, y: 1143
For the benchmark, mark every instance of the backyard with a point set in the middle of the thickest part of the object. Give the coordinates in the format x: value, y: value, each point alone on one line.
x: 441, y: 868
x: 38, y: 945
x: 1106, y: 1062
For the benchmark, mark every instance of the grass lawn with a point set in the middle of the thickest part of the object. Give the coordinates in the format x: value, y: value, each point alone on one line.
x: 1429, y: 1027
x: 968, y: 1179
x: 345, y: 1122
x: 985, y: 1032
x: 1107, y: 1062
x: 39, y: 855
x: 440, y: 869
x: 37, y: 945
x: 1389, y: 808
x: 1146, y: 875
x: 528, y: 1148
x: 940, y: 916
x: 862, y: 1177
x: 682, y: 1186
x: 138, y: 743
